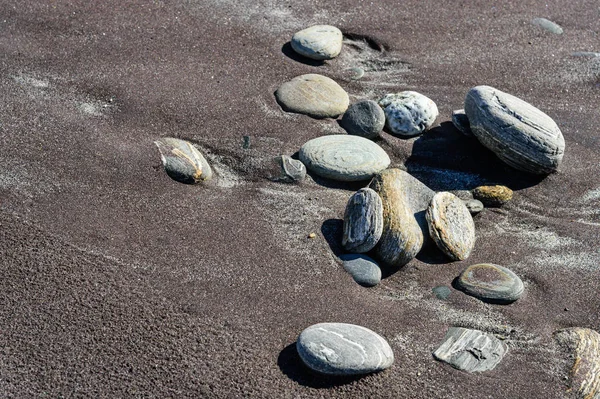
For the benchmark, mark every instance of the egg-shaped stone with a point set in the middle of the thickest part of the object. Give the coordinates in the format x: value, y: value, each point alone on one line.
x: 319, y: 42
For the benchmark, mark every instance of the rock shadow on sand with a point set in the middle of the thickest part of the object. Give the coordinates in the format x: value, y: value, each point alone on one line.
x: 289, y: 52
x: 291, y: 365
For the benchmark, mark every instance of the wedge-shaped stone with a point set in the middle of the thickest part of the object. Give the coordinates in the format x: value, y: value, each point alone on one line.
x: 451, y: 226
x: 584, y: 344
x: 314, y: 95
x: 363, y: 221
x: 343, y: 349
x: 319, y: 42
x: 404, y: 201
x: 470, y: 350
x: 182, y: 161
x: 518, y: 133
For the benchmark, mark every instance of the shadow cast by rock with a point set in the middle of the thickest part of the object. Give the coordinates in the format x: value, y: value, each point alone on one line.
x: 289, y: 52
x: 291, y: 365
x: 341, y: 185
x: 333, y: 231
x: 445, y: 159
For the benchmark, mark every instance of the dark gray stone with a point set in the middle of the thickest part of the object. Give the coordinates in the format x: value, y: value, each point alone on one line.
x: 343, y: 157
x: 293, y: 169
x: 518, y: 133
x: 451, y: 226
x: 364, y: 118
x: 182, y: 161
x: 319, y: 42
x: 364, y: 270
x: 470, y: 350
x: 363, y: 221
x: 490, y: 283
x: 474, y: 206
x: 461, y: 122
x: 548, y: 25
x: 343, y: 349
x: 441, y: 292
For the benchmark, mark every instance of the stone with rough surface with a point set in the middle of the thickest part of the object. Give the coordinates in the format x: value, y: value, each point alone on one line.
x: 313, y: 95
x: 404, y: 200
x: 584, y: 345
x: 343, y: 349
x: 490, y: 283
x: 343, y: 157
x: 518, y: 133
x: 292, y: 169
x: 493, y: 195
x: 364, y: 270
x: 319, y: 42
x: 182, y: 161
x: 470, y: 350
x: 408, y: 113
x: 451, y: 226
x: 364, y: 118
x: 363, y: 221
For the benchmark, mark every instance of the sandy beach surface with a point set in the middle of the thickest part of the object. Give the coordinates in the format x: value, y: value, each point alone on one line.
x: 116, y: 281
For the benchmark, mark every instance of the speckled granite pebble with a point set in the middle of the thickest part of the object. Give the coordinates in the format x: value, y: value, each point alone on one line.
x: 364, y: 118
x: 490, y: 283
x: 182, y: 161
x: 363, y: 221
x: 343, y: 349
x: 408, y: 113
x: 319, y: 42
x: 313, y: 95
x: 364, y: 270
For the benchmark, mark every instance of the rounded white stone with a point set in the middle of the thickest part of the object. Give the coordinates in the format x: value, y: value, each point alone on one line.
x: 319, y: 42
x: 408, y: 113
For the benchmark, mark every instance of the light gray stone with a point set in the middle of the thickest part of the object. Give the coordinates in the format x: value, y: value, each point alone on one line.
x: 405, y: 230
x: 585, y: 54
x: 314, y: 95
x: 451, y: 226
x: 364, y: 118
x: 343, y: 349
x: 319, y: 42
x: 470, y: 350
x: 293, y: 169
x: 490, y: 283
x: 474, y: 206
x: 408, y: 113
x: 548, y: 25
x: 518, y: 133
x: 363, y: 221
x: 461, y: 122
x: 342, y: 157
x: 182, y: 161
x: 364, y: 270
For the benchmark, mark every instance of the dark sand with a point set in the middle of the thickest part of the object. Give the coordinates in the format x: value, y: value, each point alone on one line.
x: 117, y: 281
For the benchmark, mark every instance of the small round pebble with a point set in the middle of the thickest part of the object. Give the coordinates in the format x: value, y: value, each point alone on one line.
x: 343, y: 157
x: 474, y: 206
x: 490, y: 283
x: 354, y: 73
x: 493, y: 196
x: 408, y: 113
x: 364, y: 270
x: 313, y: 95
x: 319, y: 42
x: 364, y: 118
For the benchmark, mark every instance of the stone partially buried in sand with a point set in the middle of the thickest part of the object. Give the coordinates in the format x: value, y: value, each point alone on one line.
x: 182, y: 161
x: 292, y: 169
x: 490, y: 283
x: 344, y: 158
x: 319, y: 42
x: 470, y: 350
x: 584, y: 347
x: 363, y: 221
x: 343, y: 349
x: 313, y: 95
x: 364, y: 270
x: 493, y: 196
x: 518, y: 133
x: 408, y: 113
x: 364, y: 118
x: 404, y: 200
x: 451, y: 226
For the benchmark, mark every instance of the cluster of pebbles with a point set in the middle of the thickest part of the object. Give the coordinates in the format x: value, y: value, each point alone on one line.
x: 388, y: 222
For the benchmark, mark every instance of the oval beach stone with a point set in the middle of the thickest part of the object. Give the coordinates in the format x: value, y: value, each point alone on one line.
x: 548, y: 25
x: 490, y: 283
x: 493, y: 195
x: 319, y: 42
x: 343, y: 349
x: 314, y: 95
x: 342, y: 157
x: 518, y: 133
x: 584, y: 354
x: 451, y: 226
x: 408, y: 113
x: 364, y: 270
x: 364, y: 118
x: 182, y: 161
x: 404, y: 201
x: 363, y: 221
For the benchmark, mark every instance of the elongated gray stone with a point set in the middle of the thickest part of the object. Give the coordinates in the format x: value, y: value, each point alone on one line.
x: 408, y: 113
x: 461, y: 122
x: 343, y: 157
x: 343, y: 349
x: 319, y: 42
x: 470, y: 350
x: 584, y: 348
x: 314, y: 95
x: 518, y: 133
x: 293, y: 169
x: 364, y: 118
x: 451, y: 226
x: 364, y: 270
x: 490, y: 283
x: 182, y: 161
x: 404, y: 201
x: 548, y: 25
x: 363, y: 221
